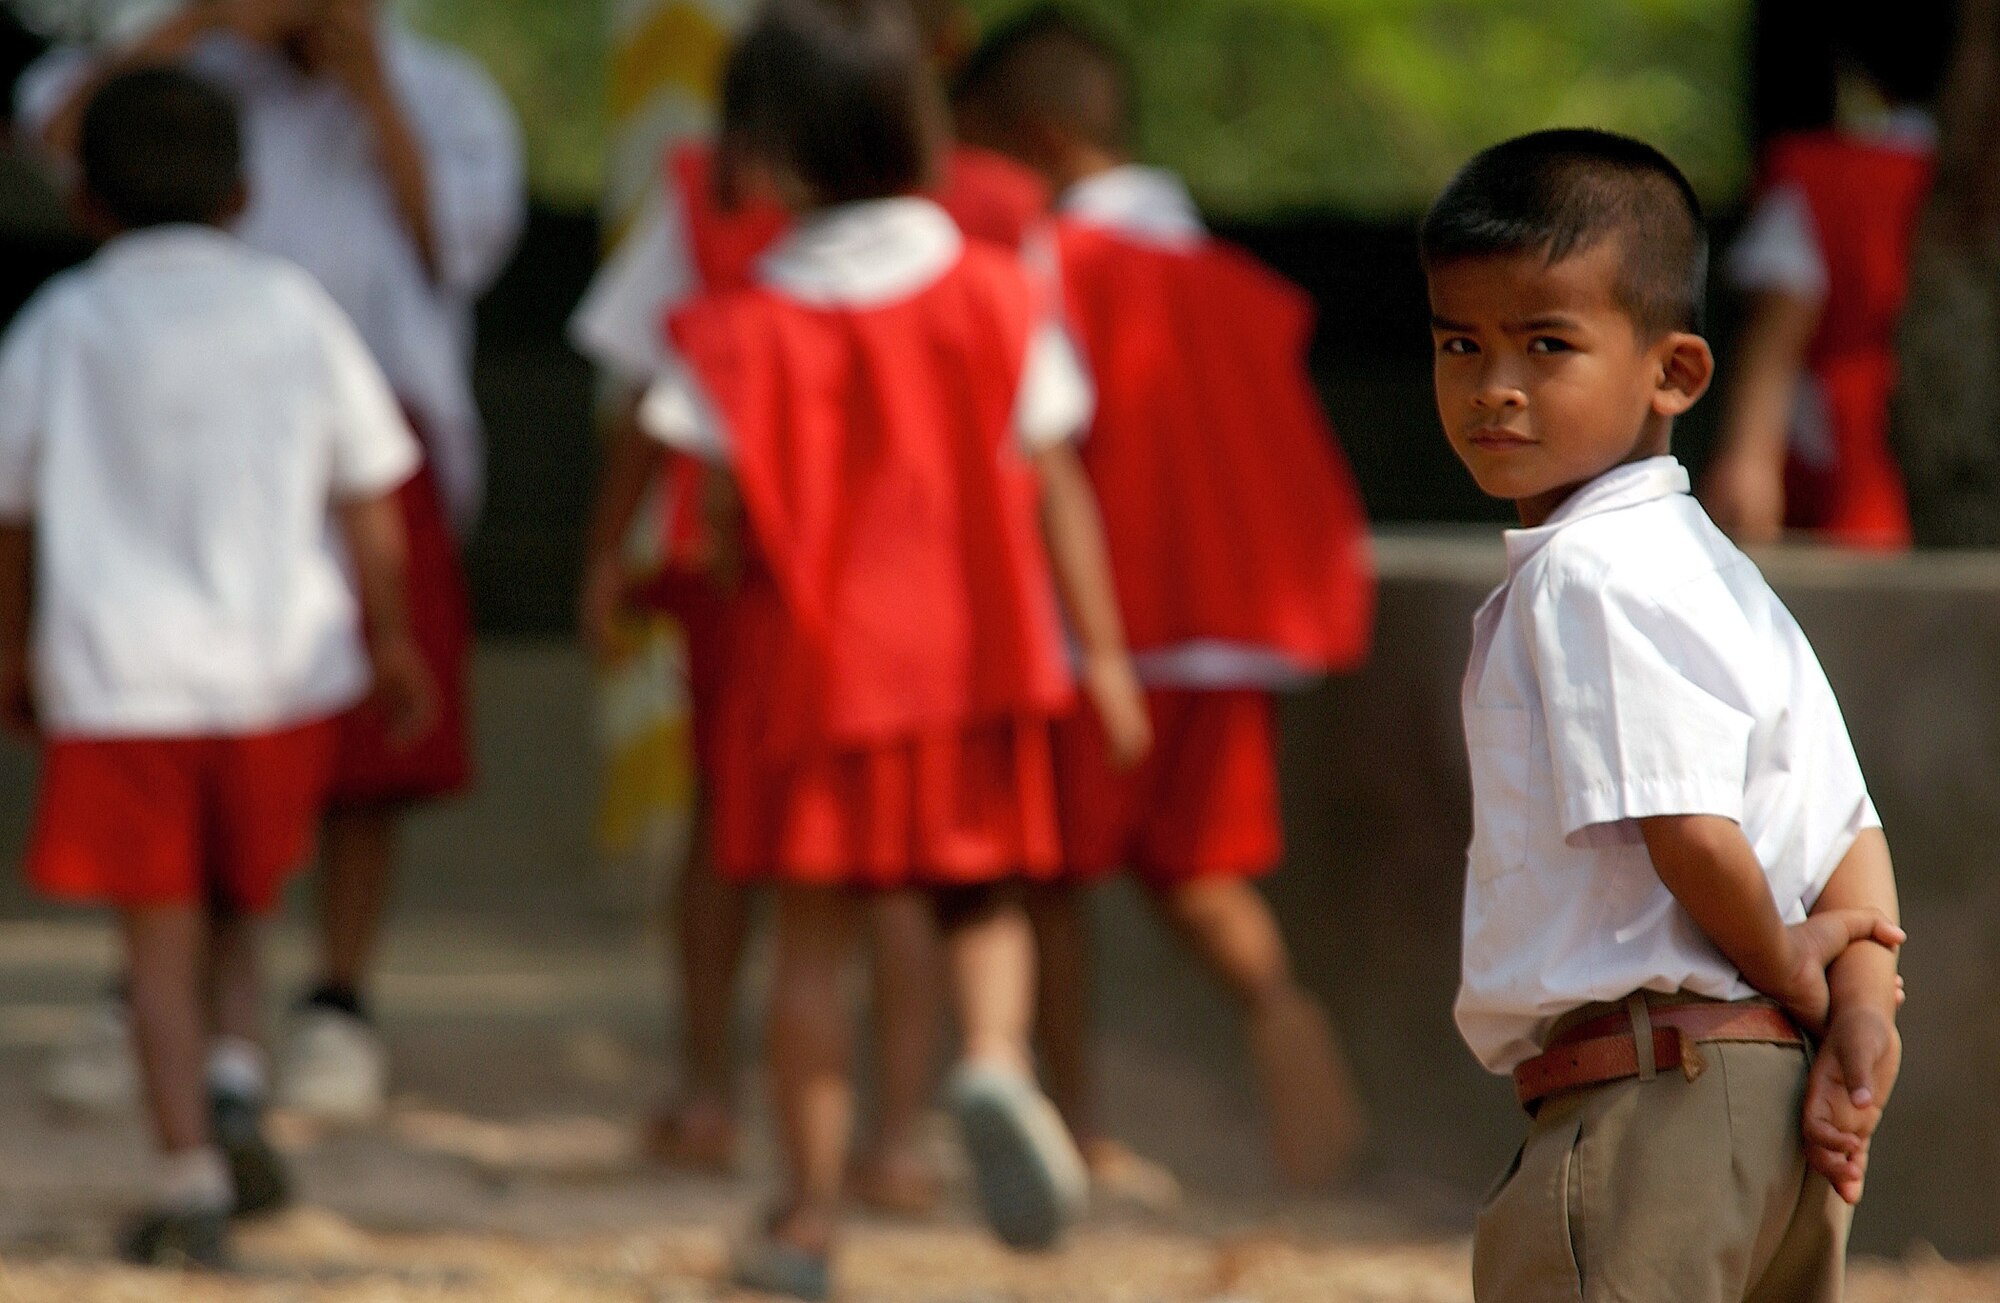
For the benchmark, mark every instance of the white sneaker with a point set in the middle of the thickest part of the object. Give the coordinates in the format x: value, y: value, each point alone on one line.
x: 1031, y: 1181
x: 94, y: 1070
x: 335, y: 1067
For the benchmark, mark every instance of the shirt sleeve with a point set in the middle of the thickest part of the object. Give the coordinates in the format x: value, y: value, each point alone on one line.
x: 677, y: 412
x: 44, y: 88
x: 1632, y: 734
x: 619, y: 325
x: 1779, y: 248
x: 1056, y: 400
x: 23, y: 371
x: 473, y: 165
x: 373, y: 450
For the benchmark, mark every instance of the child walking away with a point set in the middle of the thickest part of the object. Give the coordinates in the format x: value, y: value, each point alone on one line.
x: 893, y: 408
x: 1240, y: 552
x: 1825, y: 261
x: 177, y: 420
x: 702, y: 240
x: 1676, y: 875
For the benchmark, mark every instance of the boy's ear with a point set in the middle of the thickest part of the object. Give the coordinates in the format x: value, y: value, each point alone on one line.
x: 1686, y: 367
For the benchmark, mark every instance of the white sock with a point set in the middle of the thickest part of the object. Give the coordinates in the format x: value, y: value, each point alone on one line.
x: 195, y: 1180
x: 236, y: 1068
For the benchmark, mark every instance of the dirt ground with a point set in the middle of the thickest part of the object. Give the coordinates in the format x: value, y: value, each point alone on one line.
x: 506, y: 1172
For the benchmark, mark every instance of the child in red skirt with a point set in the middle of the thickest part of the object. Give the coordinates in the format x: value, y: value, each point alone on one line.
x: 892, y: 406
x: 1241, y: 555
x: 177, y: 420
x: 699, y: 240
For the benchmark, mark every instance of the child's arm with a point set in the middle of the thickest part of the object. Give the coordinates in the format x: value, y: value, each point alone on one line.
x: 1082, y: 564
x: 1745, y: 486
x: 17, y: 702
x: 631, y: 464
x: 376, y: 547
x: 1711, y: 868
x: 1856, y: 1068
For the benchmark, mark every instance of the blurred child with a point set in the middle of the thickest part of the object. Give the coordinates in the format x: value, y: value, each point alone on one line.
x: 388, y: 166
x: 892, y: 407
x: 699, y: 239
x: 1825, y: 261
x: 1240, y: 553
x: 1676, y: 875
x: 183, y: 422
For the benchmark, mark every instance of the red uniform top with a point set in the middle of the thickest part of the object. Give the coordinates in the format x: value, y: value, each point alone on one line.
x: 1865, y: 197
x: 1230, y: 512
x: 900, y: 585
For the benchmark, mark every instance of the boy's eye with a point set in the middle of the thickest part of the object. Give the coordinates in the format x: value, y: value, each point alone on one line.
x: 1457, y: 346
x: 1548, y: 344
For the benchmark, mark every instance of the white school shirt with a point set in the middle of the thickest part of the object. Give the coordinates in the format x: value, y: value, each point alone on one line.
x: 864, y: 255
x: 1633, y: 664
x: 319, y: 197
x: 620, y: 322
x: 177, y: 417
x: 1152, y: 206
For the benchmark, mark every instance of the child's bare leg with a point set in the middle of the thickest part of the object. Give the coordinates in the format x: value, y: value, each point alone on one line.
x: 990, y: 965
x: 164, y: 965
x: 908, y: 965
x: 1062, y: 1022
x: 712, y: 918
x: 235, y: 978
x: 357, y: 863
x: 1316, y: 1118
x: 810, y: 1052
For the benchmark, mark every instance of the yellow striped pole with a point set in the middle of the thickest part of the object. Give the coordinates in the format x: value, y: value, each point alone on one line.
x: 666, y: 57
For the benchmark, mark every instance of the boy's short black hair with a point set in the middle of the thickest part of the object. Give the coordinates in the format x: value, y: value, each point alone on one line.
x: 836, y: 93
x: 1051, y: 65
x: 1559, y: 193
x: 161, y: 145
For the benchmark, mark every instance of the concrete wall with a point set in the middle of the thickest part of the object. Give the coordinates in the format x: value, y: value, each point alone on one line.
x: 1375, y: 792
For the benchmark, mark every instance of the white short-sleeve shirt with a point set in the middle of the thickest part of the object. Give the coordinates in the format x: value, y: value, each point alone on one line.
x: 863, y: 255
x: 177, y: 417
x: 1634, y: 664
x: 319, y: 197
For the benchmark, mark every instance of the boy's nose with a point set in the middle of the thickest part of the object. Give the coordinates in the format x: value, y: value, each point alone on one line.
x: 1495, y: 394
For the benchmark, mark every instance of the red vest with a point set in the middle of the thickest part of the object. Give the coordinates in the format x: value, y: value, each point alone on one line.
x: 901, y: 583
x: 1865, y: 199
x: 990, y: 196
x: 1230, y: 511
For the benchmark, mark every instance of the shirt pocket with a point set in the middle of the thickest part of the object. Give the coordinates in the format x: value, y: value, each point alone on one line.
x: 1497, y: 742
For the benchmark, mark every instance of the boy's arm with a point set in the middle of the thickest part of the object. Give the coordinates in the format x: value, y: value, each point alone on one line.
x: 1855, y: 1071
x: 372, y: 527
x: 1713, y: 871
x: 631, y: 463
x: 1745, y: 486
x: 1082, y: 564
x: 17, y: 707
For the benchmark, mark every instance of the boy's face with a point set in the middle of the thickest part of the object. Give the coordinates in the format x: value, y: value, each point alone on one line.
x: 1544, y: 381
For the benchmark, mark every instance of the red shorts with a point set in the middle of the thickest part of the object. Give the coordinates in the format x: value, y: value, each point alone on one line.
x: 1204, y: 802
x: 135, y: 822
x: 370, y: 770
x: 971, y: 806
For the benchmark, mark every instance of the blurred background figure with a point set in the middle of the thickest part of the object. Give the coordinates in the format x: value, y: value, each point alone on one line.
x: 1945, y: 420
x: 1824, y: 261
x: 389, y: 167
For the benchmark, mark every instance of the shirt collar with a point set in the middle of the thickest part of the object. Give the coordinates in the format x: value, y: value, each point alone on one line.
x: 1149, y: 204
x: 865, y: 253
x: 1620, y: 487
x: 168, y: 240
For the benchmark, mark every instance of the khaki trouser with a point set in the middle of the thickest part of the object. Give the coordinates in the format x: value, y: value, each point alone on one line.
x: 1668, y: 1191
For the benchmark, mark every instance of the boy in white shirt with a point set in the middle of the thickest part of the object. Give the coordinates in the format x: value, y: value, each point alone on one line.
x: 184, y: 422
x: 1675, y: 874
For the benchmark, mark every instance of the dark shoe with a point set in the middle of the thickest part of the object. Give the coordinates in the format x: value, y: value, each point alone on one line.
x: 174, y: 1238
x: 768, y: 1265
x: 259, y: 1173
x: 1031, y: 1181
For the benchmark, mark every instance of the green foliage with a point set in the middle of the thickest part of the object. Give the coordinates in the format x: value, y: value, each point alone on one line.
x: 1362, y: 105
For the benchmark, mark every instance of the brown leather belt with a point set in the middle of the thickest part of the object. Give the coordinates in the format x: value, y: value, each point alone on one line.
x: 1608, y: 1047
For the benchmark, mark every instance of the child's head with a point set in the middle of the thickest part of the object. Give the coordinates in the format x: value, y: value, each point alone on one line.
x: 160, y: 146
x: 1901, y: 49
x: 830, y: 102
x: 1052, y: 91
x: 1566, y: 274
